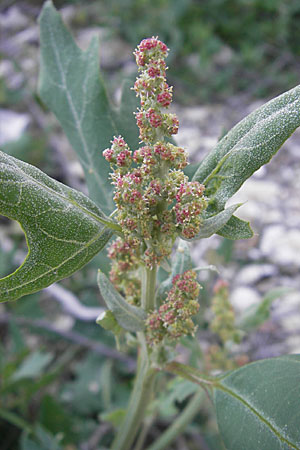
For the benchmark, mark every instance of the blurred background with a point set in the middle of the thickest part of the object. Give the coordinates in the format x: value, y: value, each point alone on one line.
x: 62, y: 383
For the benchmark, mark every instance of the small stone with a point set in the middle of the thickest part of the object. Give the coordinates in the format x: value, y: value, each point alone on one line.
x: 243, y: 297
x: 12, y: 125
x: 13, y: 19
x: 253, y: 273
x: 256, y: 193
x: 282, y: 246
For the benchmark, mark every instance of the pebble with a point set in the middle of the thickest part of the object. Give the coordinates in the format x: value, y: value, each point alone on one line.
x: 252, y: 274
x: 12, y: 125
x: 242, y: 297
x: 281, y: 246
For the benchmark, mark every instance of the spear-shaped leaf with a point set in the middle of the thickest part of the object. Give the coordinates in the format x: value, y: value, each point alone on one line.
x: 182, y: 262
x: 248, y: 146
x: 257, y: 405
x: 71, y: 86
x: 64, y: 229
x: 211, y: 225
x: 128, y: 316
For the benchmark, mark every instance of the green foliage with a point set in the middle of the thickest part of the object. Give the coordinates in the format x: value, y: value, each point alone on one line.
x: 231, y: 41
x: 43, y: 441
x: 216, y: 222
x: 257, y: 405
x: 71, y: 86
x: 64, y: 229
x: 248, y: 146
x: 128, y: 316
x: 181, y: 262
x: 32, y: 366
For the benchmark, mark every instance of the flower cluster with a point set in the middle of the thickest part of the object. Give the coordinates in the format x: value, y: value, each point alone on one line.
x: 119, y: 154
x: 124, y: 269
x: 155, y: 200
x: 154, y: 92
x: 219, y: 355
x: 173, y: 318
x: 223, y: 323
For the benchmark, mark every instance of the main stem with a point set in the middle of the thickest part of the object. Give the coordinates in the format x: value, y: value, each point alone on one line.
x: 148, y: 288
x: 143, y: 384
x: 180, y: 423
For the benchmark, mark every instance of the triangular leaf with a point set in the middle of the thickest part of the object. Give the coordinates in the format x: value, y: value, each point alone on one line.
x: 71, y: 86
x: 236, y: 229
x: 248, y: 146
x: 182, y: 262
x: 258, y: 405
x: 211, y: 225
x: 128, y: 316
x: 64, y: 229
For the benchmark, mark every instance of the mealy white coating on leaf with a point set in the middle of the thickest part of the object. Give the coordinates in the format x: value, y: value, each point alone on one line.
x: 63, y: 228
x: 246, y: 400
x: 71, y: 86
x: 128, y: 316
x: 211, y: 225
x: 248, y: 146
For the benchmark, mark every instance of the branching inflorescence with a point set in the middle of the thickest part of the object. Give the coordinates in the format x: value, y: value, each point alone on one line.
x: 155, y: 201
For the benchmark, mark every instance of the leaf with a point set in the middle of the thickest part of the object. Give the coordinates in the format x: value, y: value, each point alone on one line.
x: 114, y: 417
x: 176, y: 391
x: 236, y: 228
x: 181, y: 263
x: 256, y: 315
x: 33, y: 366
x: 63, y: 228
x: 248, y: 146
x: 15, y: 420
x: 128, y: 316
x: 55, y: 418
x: 82, y: 392
x: 108, y: 321
x: 258, y: 405
x: 183, y: 260
x: 211, y: 225
x: 71, y: 86
x: 46, y: 440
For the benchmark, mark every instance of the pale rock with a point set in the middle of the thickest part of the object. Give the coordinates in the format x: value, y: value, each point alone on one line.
x: 287, y: 305
x: 253, y: 273
x: 29, y: 35
x: 281, y: 245
x: 260, y: 202
x: 293, y: 344
x: 12, y: 125
x: 224, y: 56
x: 13, y: 19
x: 189, y: 138
x: 64, y: 323
x: 195, y: 114
x: 291, y: 322
x: 260, y: 173
x: 85, y: 36
x: 243, y: 297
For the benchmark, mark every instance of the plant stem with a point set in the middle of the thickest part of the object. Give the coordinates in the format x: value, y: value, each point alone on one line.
x: 139, y: 445
x: 139, y: 400
x: 179, y: 424
x: 191, y: 374
x: 143, y: 384
x: 148, y: 288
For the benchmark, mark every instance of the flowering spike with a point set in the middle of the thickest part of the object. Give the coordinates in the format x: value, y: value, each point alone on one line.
x: 155, y: 200
x: 173, y: 319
